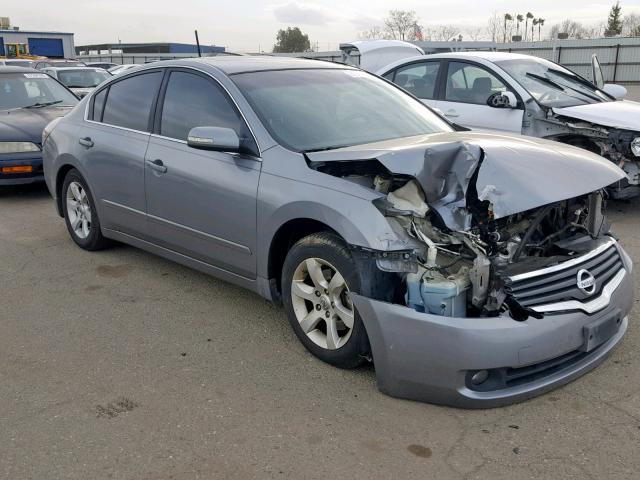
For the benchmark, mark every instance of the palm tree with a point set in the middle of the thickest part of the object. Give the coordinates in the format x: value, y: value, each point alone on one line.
x: 540, y: 24
x: 507, y: 18
x: 526, y: 25
x: 519, y: 20
x: 534, y: 22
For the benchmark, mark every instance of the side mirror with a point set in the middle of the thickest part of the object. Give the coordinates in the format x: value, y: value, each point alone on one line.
x: 503, y: 100
x: 214, y: 138
x: 616, y: 91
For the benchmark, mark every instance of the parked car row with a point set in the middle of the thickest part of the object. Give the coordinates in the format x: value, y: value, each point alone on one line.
x: 473, y: 268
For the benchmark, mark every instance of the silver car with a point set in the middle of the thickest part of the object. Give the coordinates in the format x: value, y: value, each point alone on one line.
x: 473, y: 269
x: 80, y: 80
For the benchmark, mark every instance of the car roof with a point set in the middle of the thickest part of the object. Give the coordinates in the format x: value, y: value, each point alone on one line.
x: 490, y: 56
x: 256, y: 63
x: 73, y: 68
x: 12, y: 69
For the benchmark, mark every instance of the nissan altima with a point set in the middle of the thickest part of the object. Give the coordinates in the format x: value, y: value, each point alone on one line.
x: 472, y: 269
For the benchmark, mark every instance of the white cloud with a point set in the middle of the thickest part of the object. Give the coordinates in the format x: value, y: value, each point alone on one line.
x: 304, y: 14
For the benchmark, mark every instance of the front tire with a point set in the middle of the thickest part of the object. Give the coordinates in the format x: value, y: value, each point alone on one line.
x: 81, y: 217
x: 318, y: 275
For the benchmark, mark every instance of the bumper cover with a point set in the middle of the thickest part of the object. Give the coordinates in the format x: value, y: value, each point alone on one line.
x: 15, y: 160
x: 428, y: 358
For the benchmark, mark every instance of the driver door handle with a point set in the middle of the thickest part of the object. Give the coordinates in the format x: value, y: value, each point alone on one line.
x: 157, y: 165
x: 86, y: 142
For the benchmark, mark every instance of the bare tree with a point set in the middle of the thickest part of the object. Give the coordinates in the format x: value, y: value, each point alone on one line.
x: 401, y: 24
x: 474, y: 33
x: 442, y: 33
x: 493, y: 26
x: 631, y: 25
x: 373, y: 33
x: 573, y: 29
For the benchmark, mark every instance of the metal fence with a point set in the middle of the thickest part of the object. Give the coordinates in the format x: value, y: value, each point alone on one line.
x: 619, y: 57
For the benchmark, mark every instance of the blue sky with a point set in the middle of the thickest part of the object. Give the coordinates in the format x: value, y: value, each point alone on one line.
x: 246, y: 25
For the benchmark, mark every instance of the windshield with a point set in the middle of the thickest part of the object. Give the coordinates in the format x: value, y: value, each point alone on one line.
x: 82, y: 78
x: 552, y: 85
x: 318, y: 109
x: 19, y: 90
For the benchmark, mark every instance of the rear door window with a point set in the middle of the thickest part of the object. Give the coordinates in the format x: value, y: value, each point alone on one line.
x: 130, y: 100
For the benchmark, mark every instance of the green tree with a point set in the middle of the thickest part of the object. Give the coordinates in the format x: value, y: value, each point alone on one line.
x: 507, y: 18
x: 614, y: 24
x: 540, y: 24
x: 291, y: 40
x: 519, y: 19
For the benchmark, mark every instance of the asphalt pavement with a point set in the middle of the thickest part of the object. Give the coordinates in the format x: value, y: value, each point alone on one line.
x: 122, y: 365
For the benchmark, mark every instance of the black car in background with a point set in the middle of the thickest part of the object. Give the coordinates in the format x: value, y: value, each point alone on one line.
x: 29, y: 100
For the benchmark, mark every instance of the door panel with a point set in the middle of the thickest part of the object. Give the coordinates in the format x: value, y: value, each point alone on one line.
x: 201, y: 203
x: 116, y: 166
x: 482, y: 116
x: 204, y: 205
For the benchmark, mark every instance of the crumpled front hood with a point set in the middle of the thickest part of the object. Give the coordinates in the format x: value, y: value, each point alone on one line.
x: 623, y: 114
x: 27, y: 124
x: 515, y: 173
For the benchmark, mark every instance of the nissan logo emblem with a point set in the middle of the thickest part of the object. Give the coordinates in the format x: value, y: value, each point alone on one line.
x: 586, y: 282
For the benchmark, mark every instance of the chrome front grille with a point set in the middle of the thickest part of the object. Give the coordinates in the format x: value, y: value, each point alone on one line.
x: 556, y: 288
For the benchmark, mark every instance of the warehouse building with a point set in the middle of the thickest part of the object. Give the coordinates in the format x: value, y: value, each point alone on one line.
x: 15, y: 42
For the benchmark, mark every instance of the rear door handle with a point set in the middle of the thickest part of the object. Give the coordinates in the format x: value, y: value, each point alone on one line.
x: 157, y: 165
x: 452, y: 114
x: 86, y: 142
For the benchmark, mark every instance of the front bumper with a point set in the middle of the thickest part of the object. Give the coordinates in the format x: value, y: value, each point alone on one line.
x: 430, y: 358
x: 33, y: 159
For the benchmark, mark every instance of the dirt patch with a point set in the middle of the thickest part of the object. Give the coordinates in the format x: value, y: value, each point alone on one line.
x: 114, y: 271
x: 113, y: 409
x: 420, y: 451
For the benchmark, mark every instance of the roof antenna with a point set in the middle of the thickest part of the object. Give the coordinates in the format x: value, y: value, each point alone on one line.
x: 198, y: 44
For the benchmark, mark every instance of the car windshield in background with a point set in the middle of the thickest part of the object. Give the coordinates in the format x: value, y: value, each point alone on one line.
x: 308, y: 110
x: 82, y: 78
x: 552, y: 85
x: 32, y: 90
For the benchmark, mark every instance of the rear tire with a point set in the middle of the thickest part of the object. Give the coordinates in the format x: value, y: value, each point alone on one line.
x: 317, y: 276
x: 80, y: 214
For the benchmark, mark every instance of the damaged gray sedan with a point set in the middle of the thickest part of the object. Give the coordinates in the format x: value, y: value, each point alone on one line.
x: 473, y: 269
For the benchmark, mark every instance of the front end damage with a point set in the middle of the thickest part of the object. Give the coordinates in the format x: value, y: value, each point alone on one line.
x: 619, y: 145
x: 513, y: 284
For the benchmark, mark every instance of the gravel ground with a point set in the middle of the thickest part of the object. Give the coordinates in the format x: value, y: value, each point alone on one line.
x: 121, y: 365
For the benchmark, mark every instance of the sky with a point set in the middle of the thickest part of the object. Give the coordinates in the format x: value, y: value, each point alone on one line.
x: 250, y: 25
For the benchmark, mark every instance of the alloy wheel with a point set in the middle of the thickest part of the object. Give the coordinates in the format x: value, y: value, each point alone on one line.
x: 78, y: 210
x: 321, y: 303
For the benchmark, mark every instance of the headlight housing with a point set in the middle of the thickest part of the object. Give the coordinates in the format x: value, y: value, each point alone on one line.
x: 635, y: 146
x: 18, y: 147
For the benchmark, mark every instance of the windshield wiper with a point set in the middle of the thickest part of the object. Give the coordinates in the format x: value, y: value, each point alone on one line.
x: 546, y: 80
x: 43, y: 104
x: 579, y: 80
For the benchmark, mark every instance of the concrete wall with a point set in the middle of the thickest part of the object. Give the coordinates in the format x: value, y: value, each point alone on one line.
x: 12, y: 36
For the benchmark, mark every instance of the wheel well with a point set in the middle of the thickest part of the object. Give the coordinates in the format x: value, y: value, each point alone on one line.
x: 59, y: 181
x: 286, y: 236
x: 579, y: 141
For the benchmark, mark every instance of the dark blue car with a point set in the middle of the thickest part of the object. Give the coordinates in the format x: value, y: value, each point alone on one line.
x: 29, y: 100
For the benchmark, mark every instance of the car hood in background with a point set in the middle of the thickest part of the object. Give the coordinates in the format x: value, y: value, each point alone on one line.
x: 623, y: 114
x: 27, y: 124
x: 82, y: 92
x: 514, y: 173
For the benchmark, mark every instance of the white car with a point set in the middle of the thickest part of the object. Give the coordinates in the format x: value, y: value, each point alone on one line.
x: 122, y: 68
x: 80, y: 80
x: 532, y: 96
